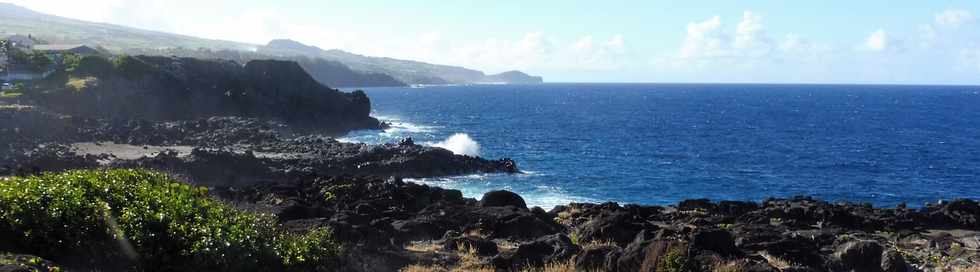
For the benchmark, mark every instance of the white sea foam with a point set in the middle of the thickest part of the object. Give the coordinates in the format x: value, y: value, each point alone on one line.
x: 474, y: 186
x: 397, y: 127
x: 397, y: 130
x: 460, y: 144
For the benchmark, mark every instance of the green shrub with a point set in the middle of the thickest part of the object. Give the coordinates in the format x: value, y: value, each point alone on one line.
x: 71, y: 61
x: 131, y: 67
x: 93, y: 66
x: 150, y: 219
x: 675, y: 260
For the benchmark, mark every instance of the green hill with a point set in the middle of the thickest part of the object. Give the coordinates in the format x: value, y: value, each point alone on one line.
x: 363, y: 70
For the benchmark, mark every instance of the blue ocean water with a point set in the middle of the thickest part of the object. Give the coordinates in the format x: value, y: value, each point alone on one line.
x: 661, y: 143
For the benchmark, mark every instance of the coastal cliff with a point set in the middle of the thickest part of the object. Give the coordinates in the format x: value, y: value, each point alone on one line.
x: 168, y: 88
x: 513, y: 77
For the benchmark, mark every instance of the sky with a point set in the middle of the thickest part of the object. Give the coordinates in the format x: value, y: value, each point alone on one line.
x: 829, y: 41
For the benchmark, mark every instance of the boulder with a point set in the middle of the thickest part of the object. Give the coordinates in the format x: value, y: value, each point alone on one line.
x: 598, y: 258
x: 523, y: 226
x: 616, y: 226
x: 480, y: 246
x: 633, y: 254
x: 544, y: 250
x: 861, y: 256
x: 892, y: 261
x: 720, y: 242
x: 502, y: 198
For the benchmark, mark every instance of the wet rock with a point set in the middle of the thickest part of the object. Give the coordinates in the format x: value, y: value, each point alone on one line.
x: 406, y: 141
x: 696, y: 204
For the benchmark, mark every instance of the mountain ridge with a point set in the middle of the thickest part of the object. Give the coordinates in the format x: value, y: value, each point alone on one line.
x: 20, y: 20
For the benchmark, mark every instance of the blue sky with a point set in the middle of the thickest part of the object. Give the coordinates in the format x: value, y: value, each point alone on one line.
x: 897, y: 42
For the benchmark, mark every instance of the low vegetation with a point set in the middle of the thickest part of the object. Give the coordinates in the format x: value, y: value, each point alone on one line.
x: 81, y: 83
x: 144, y: 220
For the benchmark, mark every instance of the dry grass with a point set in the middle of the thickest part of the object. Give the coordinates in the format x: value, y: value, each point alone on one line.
x: 79, y: 84
x: 423, y: 246
x: 733, y: 266
x: 776, y: 262
x: 598, y: 243
x: 971, y: 269
x: 566, y: 266
x: 507, y: 245
x: 422, y: 268
x: 565, y: 217
x: 468, y: 261
x: 17, y: 107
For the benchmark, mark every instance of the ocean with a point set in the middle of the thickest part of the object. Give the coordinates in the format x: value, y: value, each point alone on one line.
x: 661, y: 143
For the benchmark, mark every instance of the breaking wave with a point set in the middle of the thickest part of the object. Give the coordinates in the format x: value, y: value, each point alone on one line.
x: 460, y: 144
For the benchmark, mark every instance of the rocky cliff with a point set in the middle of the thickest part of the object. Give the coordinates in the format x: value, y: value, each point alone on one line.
x: 169, y: 88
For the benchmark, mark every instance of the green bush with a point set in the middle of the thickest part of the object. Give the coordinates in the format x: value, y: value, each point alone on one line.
x: 675, y: 260
x: 93, y: 66
x: 71, y: 61
x: 132, y: 68
x: 151, y: 220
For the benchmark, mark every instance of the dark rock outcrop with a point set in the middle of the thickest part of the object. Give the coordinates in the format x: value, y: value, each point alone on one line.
x: 864, y: 256
x: 166, y: 88
x: 546, y: 249
x: 502, y: 199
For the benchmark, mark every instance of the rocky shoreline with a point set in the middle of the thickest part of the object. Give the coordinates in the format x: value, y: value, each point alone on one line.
x: 391, y: 224
x: 258, y: 156
x: 216, y: 150
x: 309, y: 181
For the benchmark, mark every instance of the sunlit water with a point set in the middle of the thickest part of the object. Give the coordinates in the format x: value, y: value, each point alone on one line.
x: 658, y: 144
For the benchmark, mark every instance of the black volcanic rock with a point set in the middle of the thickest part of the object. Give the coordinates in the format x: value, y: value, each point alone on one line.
x: 501, y: 199
x: 861, y: 256
x: 166, y: 88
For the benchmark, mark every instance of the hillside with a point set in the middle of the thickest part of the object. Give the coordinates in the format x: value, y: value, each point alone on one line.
x: 514, y: 77
x: 20, y: 20
x: 363, y: 70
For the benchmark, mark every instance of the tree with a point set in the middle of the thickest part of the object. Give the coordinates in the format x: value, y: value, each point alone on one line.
x: 39, y: 61
x: 71, y: 61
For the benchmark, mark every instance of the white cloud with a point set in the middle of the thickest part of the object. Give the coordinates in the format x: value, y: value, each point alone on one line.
x: 537, y: 51
x: 970, y: 59
x: 881, y: 41
x: 954, y: 18
x: 750, y: 36
x: 877, y: 41
x: 705, y: 39
x: 587, y: 53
